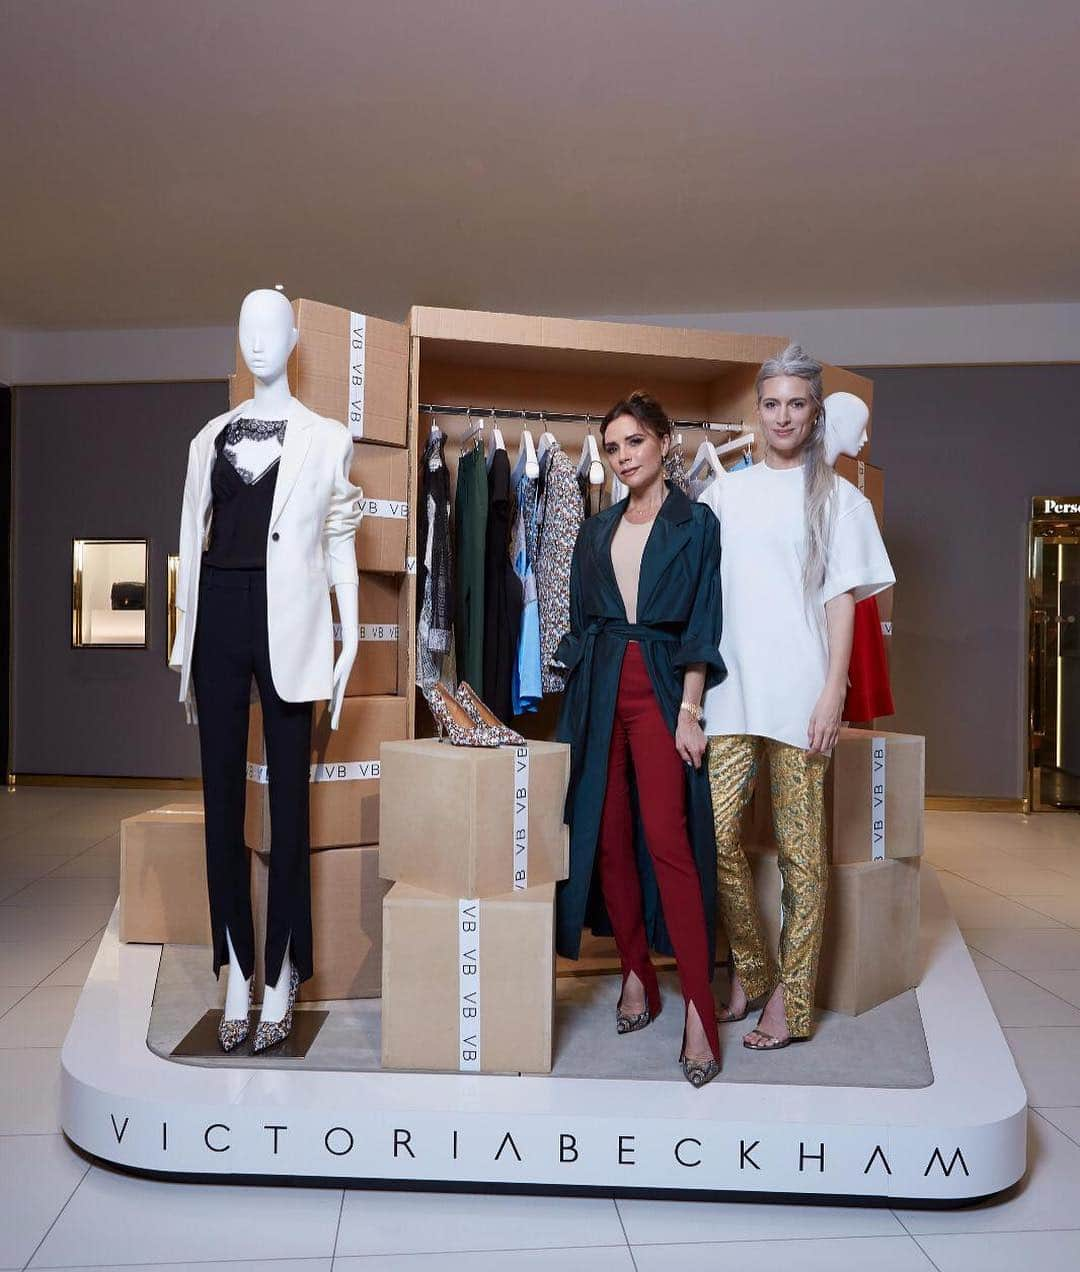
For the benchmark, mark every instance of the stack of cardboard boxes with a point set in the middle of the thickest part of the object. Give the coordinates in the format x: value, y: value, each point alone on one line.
x: 874, y: 798
x: 474, y: 841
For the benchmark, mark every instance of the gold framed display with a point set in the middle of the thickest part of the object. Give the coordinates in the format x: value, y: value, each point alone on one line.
x: 109, y: 580
x: 1053, y: 658
x: 172, y: 568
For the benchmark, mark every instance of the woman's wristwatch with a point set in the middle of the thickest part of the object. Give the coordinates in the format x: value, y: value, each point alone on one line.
x: 692, y: 710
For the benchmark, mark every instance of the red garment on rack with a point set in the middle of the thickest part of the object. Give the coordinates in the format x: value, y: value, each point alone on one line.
x: 869, y: 694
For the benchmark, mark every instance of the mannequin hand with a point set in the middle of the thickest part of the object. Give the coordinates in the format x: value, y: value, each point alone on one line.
x: 689, y: 740
x: 824, y: 726
x: 348, y: 606
x: 350, y: 640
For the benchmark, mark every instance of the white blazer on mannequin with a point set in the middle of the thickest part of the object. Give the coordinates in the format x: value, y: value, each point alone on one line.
x: 310, y: 548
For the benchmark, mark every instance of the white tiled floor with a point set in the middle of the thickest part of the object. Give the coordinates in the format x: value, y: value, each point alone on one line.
x: 1014, y: 884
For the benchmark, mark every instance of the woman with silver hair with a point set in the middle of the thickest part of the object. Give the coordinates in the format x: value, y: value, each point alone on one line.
x: 799, y: 547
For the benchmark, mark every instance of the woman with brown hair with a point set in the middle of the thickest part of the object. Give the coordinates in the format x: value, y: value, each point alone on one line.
x: 643, y: 644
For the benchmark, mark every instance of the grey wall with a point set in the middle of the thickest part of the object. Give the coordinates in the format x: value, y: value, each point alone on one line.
x: 101, y: 461
x: 964, y: 450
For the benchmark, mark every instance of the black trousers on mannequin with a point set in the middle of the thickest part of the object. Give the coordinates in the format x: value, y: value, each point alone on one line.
x: 231, y: 646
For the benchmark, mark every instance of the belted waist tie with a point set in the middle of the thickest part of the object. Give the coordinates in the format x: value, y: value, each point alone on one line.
x: 582, y: 658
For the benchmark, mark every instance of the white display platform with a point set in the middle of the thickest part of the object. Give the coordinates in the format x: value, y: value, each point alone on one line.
x: 961, y: 1137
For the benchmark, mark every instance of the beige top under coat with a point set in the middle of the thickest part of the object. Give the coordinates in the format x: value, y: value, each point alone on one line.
x: 627, y: 549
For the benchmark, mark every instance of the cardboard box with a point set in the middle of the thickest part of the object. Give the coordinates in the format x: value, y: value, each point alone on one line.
x: 870, y: 949
x: 870, y: 480
x: 375, y: 670
x: 875, y: 795
x: 468, y: 985
x: 354, y: 369
x: 241, y: 384
x: 346, y: 923
x: 861, y: 820
x: 163, y: 894
x: 344, y: 773
x: 474, y: 821
x: 382, y: 537
x: 885, y: 602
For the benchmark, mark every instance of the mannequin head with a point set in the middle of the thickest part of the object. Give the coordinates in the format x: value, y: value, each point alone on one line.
x: 636, y: 436
x: 267, y: 333
x: 846, y: 417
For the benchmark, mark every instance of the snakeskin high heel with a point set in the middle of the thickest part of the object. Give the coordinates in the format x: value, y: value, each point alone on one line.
x: 480, y: 713
x: 699, y: 1072
x: 631, y: 1024
x: 455, y: 721
x: 270, y: 1035
x: 233, y: 1031
x: 625, y: 1023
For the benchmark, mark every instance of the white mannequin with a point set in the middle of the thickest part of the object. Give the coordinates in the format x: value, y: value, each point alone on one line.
x: 267, y: 338
x: 846, y: 417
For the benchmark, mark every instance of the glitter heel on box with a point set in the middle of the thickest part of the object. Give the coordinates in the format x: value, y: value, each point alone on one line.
x: 480, y: 713
x: 458, y: 725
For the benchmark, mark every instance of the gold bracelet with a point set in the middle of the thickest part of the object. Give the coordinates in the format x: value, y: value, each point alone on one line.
x: 692, y: 710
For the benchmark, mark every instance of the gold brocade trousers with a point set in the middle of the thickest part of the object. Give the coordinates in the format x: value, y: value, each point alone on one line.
x: 798, y: 804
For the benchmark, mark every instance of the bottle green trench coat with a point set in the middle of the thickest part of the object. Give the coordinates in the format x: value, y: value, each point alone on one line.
x: 678, y: 623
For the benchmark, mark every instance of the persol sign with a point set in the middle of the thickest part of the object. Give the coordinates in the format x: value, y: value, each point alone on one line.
x: 1045, y: 506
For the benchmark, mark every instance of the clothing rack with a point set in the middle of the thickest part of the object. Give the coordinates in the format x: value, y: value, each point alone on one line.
x: 565, y: 417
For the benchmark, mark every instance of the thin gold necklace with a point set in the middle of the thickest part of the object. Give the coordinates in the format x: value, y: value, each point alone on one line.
x: 636, y: 519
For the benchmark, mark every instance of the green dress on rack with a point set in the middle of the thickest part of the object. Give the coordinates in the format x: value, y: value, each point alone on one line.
x: 470, y: 532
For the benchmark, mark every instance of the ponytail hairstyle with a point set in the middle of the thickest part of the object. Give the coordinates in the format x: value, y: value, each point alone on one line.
x: 819, y: 480
x: 644, y: 408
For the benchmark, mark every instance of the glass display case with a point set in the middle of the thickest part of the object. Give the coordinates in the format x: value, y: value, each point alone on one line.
x: 108, y: 593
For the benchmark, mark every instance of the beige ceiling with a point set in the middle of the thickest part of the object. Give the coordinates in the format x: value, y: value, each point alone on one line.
x: 161, y: 157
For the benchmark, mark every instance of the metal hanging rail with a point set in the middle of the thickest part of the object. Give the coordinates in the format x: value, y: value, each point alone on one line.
x: 563, y: 417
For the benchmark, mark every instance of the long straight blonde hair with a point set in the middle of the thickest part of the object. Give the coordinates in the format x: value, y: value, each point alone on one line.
x: 819, y: 479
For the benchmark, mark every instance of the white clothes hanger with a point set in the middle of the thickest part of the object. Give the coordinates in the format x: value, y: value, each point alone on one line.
x: 495, y: 441
x: 743, y: 442
x: 590, y: 458
x: 548, y: 441
x: 526, y: 459
x: 706, y: 457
